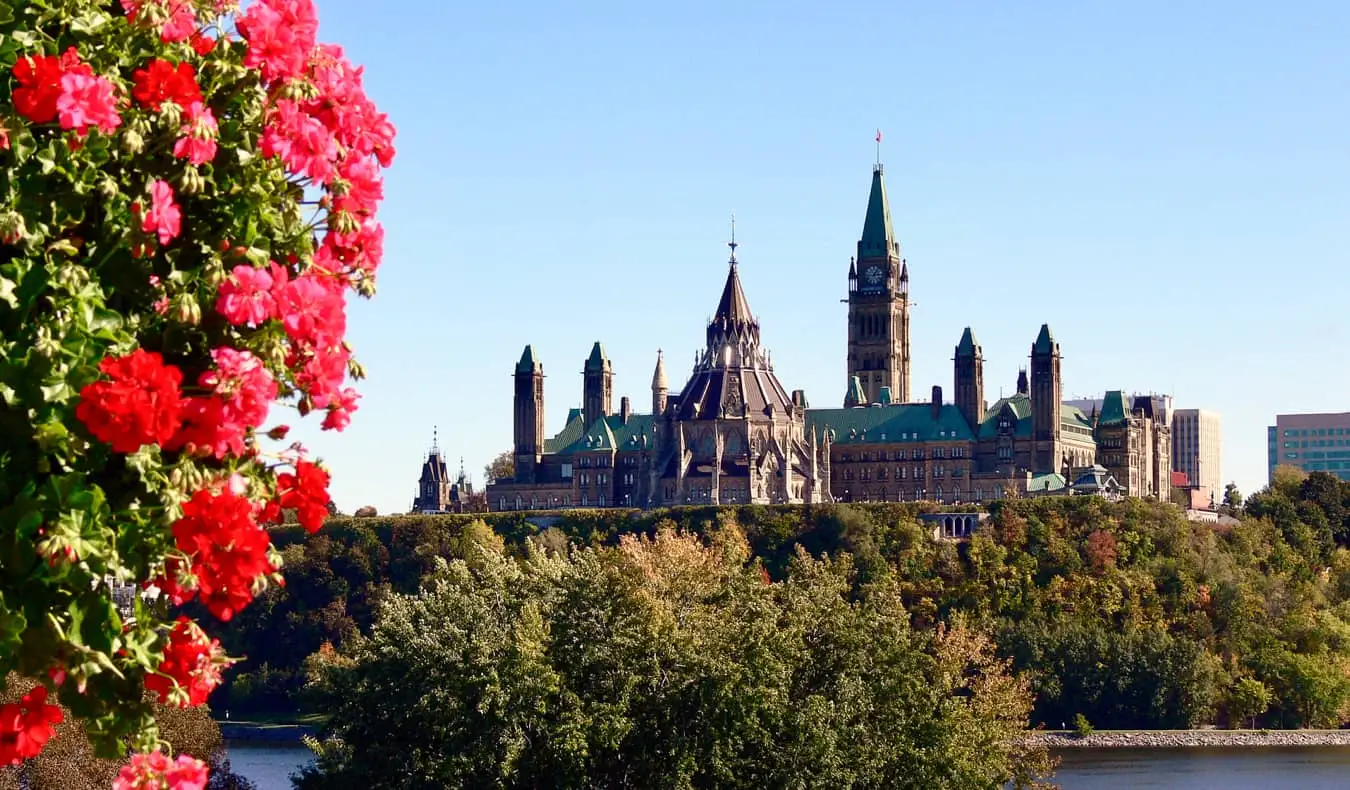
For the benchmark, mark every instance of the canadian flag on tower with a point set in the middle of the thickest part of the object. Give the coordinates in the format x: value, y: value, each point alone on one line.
x: 878, y: 135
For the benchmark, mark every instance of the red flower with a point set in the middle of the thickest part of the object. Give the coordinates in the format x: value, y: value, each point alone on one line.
x: 161, y: 81
x: 241, y: 391
x: 139, y: 404
x: 39, y: 77
x: 192, y: 662
x: 154, y: 771
x: 312, y: 308
x: 25, y: 727
x: 307, y: 492
x: 227, y: 547
x: 201, y: 44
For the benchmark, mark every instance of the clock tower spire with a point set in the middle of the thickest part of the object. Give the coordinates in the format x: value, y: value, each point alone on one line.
x: 878, y: 304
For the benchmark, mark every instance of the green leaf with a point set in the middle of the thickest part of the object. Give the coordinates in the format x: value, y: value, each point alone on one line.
x: 7, y: 293
x: 60, y: 392
x: 6, y: 13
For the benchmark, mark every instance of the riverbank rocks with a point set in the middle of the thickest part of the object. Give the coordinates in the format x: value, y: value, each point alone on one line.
x: 1180, y: 739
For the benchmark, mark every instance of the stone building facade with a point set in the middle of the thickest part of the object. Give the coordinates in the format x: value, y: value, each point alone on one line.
x: 437, y: 492
x: 733, y: 433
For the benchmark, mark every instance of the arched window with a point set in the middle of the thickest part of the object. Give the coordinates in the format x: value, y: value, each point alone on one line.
x: 937, y: 493
x: 584, y: 500
x: 519, y: 503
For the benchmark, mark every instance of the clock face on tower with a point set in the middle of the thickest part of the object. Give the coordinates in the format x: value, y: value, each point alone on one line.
x: 874, y: 275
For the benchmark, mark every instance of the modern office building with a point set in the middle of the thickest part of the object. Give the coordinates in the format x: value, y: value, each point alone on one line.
x: 1196, y: 447
x: 1311, y: 442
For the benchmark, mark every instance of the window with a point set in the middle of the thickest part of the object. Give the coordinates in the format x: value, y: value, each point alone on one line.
x: 584, y: 500
x: 601, y: 501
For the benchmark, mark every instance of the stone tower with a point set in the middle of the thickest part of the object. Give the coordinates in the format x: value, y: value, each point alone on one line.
x: 529, y: 445
x: 969, y: 383
x: 1046, y: 402
x: 660, y: 387
x: 599, y: 385
x: 878, y: 304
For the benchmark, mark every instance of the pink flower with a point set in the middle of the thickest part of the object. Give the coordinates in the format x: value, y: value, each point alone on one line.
x: 180, y: 20
x: 311, y: 306
x: 198, y: 143
x: 243, y: 384
x: 163, y: 218
x: 154, y: 771
x: 361, y: 188
x: 280, y: 36
x: 347, y: 253
x: 340, y: 412
x: 246, y: 296
x: 302, y: 143
x: 87, y: 101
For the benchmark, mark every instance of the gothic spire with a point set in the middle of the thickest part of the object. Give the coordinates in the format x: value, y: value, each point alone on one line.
x: 878, y: 236
x: 659, y: 381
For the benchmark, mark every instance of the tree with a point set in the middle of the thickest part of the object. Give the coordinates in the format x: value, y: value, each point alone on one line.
x: 187, y: 197
x: 1247, y: 699
x: 501, y: 469
x: 665, y: 663
x: 1232, y: 499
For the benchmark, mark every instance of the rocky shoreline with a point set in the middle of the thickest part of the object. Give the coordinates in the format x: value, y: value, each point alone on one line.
x: 1182, y: 739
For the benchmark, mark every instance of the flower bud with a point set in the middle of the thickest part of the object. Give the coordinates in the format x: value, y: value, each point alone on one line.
x: 278, y: 433
x: 133, y: 142
x: 172, y: 114
x: 187, y: 310
x: 12, y: 228
x: 191, y: 182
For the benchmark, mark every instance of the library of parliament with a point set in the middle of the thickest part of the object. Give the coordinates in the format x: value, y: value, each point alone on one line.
x: 734, y: 434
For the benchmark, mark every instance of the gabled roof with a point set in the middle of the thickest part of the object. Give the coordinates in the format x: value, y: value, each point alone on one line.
x: 878, y: 236
x: 1020, y: 408
x: 607, y: 434
x: 911, y: 422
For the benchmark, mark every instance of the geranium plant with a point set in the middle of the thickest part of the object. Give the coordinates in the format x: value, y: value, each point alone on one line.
x: 187, y: 195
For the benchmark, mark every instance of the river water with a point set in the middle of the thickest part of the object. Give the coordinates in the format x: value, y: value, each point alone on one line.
x: 269, y: 767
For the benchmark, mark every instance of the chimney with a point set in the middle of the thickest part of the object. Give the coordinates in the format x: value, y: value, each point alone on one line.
x: 625, y: 409
x: 937, y: 402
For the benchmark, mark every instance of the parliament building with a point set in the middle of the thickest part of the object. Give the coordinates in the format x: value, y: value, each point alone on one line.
x: 733, y: 434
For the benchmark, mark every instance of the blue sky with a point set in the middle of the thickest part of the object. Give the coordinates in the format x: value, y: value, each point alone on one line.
x: 1166, y: 184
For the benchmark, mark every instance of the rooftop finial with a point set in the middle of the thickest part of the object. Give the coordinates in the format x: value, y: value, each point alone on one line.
x: 878, y: 149
x: 433, y: 439
x: 732, y: 244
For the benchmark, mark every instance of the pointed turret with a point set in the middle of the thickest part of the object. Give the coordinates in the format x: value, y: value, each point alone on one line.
x: 660, y: 386
x: 598, y: 385
x: 1045, y: 341
x: 878, y: 237
x: 733, y: 306
x: 528, y: 363
x: 969, y: 379
x: 529, y: 419
x: 966, y: 347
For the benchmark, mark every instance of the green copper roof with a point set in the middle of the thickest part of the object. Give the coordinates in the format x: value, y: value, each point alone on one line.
x: 876, y: 424
x: 610, y: 433
x: 1113, y: 408
x: 1019, y: 408
x: 967, y: 346
x: 527, y: 363
x: 597, y: 359
x: 878, y: 236
x: 1046, y: 482
x: 855, y: 392
x: 1045, y: 342
x: 884, y: 396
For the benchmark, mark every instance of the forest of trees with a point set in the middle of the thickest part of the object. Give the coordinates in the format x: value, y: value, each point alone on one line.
x: 1122, y: 612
